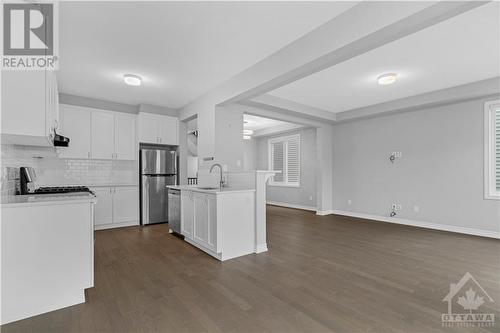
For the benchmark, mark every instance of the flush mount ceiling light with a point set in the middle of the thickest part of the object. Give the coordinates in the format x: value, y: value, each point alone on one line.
x: 247, y: 132
x: 132, y: 80
x: 388, y: 78
x: 246, y: 137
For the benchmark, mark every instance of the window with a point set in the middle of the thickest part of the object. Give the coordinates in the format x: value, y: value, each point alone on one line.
x: 284, y: 155
x: 492, y: 150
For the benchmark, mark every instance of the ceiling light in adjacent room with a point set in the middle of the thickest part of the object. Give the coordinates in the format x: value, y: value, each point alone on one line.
x: 246, y: 137
x: 247, y: 132
x: 132, y: 80
x: 388, y: 78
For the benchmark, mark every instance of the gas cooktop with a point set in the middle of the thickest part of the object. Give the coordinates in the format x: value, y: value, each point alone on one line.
x: 61, y: 189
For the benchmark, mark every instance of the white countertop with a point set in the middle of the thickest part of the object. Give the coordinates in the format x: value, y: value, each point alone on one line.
x: 223, y: 190
x: 46, y: 199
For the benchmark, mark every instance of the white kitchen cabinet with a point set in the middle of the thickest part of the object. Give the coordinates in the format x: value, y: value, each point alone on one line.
x: 117, y: 206
x: 154, y: 128
x: 221, y: 223
x: 125, y: 204
x: 102, y: 135
x: 75, y: 124
x: 29, y: 107
x: 104, y: 206
x: 125, y: 139
x: 205, y: 220
x: 187, y: 213
x: 98, y: 134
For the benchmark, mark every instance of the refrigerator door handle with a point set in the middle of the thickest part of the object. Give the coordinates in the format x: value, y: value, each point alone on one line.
x: 145, y: 200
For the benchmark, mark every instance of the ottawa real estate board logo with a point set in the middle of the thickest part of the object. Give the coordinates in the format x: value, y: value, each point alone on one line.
x: 464, y: 301
x: 29, y: 38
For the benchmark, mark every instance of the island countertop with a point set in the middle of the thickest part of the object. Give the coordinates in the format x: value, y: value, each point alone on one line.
x: 224, y: 190
x: 46, y: 199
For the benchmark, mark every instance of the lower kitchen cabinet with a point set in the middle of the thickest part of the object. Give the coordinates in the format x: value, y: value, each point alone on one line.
x: 116, y: 206
x: 221, y: 223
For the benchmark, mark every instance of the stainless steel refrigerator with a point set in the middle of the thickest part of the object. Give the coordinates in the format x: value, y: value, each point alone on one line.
x: 158, y: 170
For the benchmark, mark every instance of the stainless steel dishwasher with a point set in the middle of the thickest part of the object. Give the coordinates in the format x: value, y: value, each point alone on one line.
x: 174, y: 210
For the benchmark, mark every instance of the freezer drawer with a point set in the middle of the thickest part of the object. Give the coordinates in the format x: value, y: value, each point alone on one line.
x: 155, y: 198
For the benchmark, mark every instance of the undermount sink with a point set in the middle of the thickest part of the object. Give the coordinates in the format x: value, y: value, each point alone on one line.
x: 207, y: 188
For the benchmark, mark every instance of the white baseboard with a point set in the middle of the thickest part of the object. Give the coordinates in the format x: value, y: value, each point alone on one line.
x: 259, y: 248
x: 325, y: 212
x: 115, y: 225
x: 421, y: 224
x: 289, y: 205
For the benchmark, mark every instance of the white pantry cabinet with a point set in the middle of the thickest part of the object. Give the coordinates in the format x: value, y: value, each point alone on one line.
x: 116, y: 206
x: 75, y: 124
x: 29, y: 107
x: 221, y: 223
x: 98, y: 134
x: 154, y: 128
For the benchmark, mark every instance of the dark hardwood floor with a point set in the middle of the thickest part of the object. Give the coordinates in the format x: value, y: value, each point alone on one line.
x: 321, y: 274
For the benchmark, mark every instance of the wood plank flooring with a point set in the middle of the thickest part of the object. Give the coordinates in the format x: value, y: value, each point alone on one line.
x: 321, y: 274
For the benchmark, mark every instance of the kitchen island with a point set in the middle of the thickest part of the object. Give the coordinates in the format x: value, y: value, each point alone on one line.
x: 47, y: 252
x: 219, y: 221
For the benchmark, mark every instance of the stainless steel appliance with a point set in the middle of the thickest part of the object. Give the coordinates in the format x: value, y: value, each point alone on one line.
x: 158, y: 167
x: 174, y: 210
x: 27, y: 182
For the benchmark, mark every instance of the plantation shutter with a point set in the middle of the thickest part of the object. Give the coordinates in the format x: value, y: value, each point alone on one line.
x: 278, y: 160
x: 293, y: 161
x: 497, y: 148
x: 284, y: 156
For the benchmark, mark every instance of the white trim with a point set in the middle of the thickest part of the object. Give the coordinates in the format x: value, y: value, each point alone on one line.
x: 421, y: 224
x: 115, y: 225
x: 259, y: 248
x: 489, y: 151
x: 290, y: 205
x: 325, y: 212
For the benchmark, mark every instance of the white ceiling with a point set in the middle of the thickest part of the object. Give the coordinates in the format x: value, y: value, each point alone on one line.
x: 181, y: 49
x: 257, y: 123
x: 461, y: 50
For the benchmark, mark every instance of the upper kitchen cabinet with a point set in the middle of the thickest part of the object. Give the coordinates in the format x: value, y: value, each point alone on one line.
x: 98, y: 134
x: 29, y: 107
x: 154, y: 128
x: 103, y: 135
x: 75, y: 124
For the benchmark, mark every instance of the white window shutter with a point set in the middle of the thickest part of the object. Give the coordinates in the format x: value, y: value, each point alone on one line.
x: 497, y: 148
x: 293, y: 160
x: 277, y: 160
x: 284, y: 156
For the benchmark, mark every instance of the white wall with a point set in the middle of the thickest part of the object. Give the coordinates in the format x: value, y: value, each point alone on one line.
x: 305, y: 195
x: 250, y: 154
x: 441, y: 169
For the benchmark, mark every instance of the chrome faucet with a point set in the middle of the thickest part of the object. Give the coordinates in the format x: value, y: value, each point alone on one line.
x: 221, y: 183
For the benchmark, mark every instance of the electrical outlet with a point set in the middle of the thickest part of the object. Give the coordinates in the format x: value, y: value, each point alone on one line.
x: 416, y: 209
x: 349, y: 202
x: 310, y: 198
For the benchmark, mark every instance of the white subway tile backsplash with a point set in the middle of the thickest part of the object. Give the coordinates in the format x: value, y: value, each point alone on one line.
x: 52, y: 170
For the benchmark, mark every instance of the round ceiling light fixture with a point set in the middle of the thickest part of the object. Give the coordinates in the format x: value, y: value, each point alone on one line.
x: 247, y: 132
x: 246, y: 137
x: 388, y: 78
x: 132, y: 80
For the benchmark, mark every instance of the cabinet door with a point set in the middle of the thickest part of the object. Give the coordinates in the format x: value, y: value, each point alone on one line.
x: 23, y: 103
x: 125, y: 141
x: 168, y: 130
x: 212, y: 223
x: 104, y: 207
x: 187, y: 214
x: 148, y: 128
x: 200, y: 232
x: 125, y: 204
x: 75, y: 124
x: 102, y: 134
